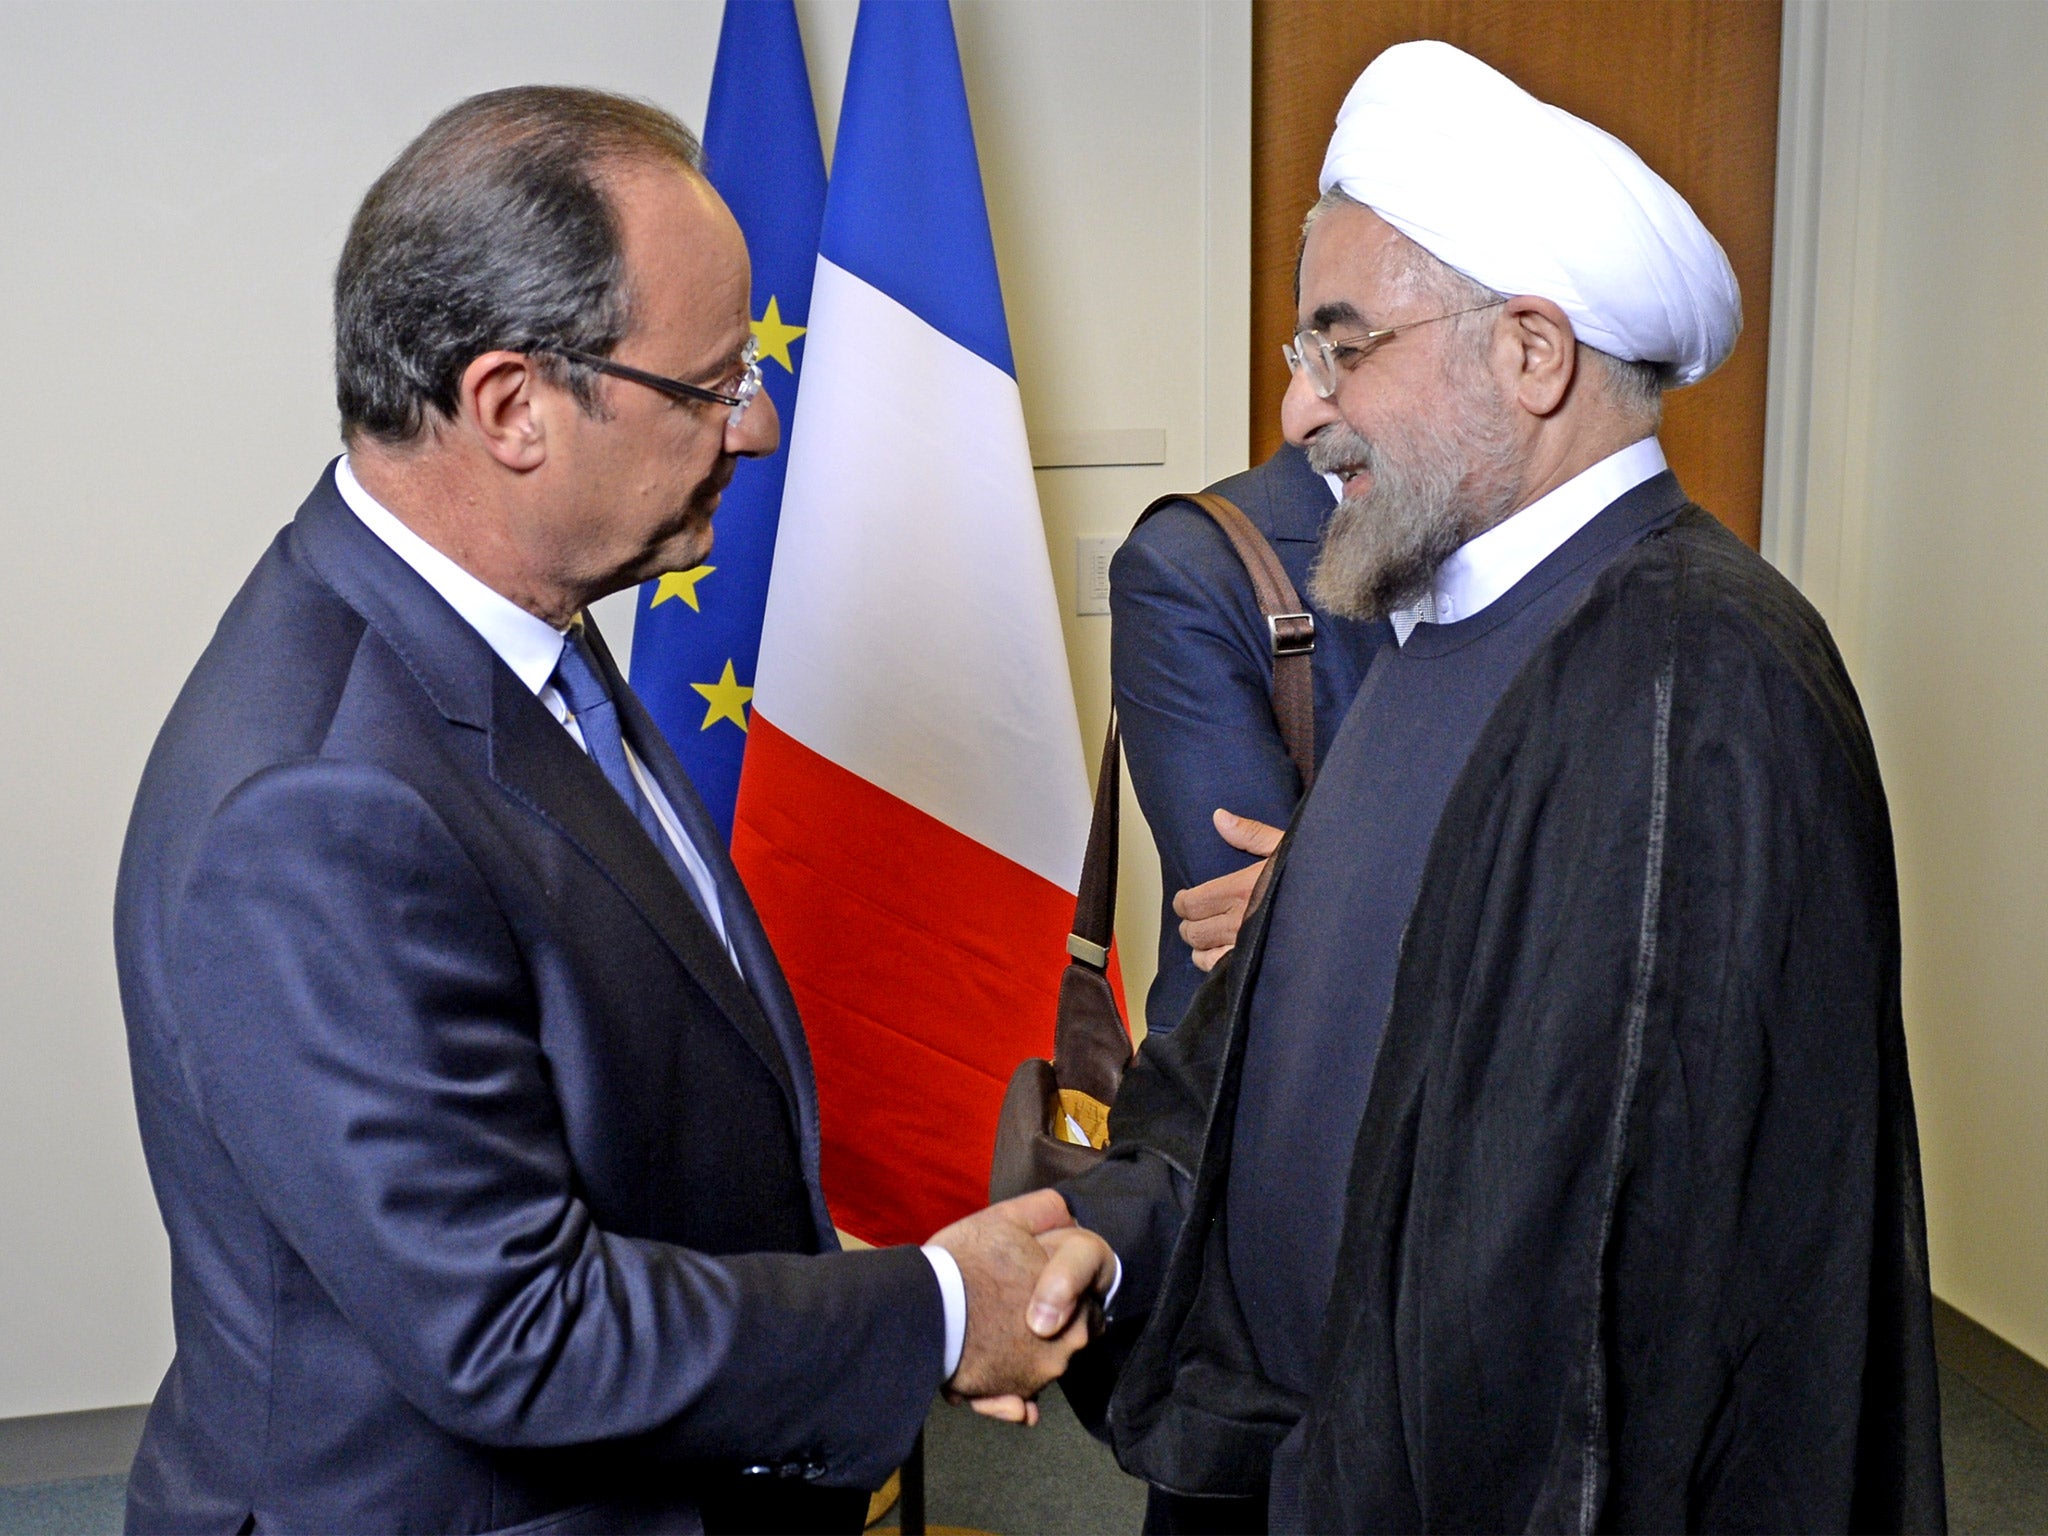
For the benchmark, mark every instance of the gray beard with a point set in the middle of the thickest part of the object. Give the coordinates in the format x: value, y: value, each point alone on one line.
x: 1434, y: 487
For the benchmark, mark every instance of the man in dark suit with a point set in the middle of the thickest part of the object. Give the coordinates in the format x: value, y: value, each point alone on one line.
x: 478, y: 1112
x: 1191, y: 665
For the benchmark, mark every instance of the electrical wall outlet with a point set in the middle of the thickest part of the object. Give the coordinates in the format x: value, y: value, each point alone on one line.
x: 1091, y: 574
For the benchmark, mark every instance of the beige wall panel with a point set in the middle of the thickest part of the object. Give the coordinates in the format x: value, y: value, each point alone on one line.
x: 1954, y: 653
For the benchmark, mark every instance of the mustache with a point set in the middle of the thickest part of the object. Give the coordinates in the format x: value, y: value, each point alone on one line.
x: 1339, y: 448
x: 1381, y: 551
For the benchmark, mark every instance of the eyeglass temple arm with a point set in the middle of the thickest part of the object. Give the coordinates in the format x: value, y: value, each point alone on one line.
x: 641, y: 376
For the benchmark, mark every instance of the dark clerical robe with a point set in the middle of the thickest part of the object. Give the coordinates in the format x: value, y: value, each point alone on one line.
x: 1629, y: 1231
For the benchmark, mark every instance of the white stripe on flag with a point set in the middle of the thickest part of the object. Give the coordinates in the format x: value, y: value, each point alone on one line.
x: 912, y: 633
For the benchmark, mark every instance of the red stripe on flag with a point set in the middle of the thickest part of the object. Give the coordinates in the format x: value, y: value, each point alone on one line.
x: 925, y: 965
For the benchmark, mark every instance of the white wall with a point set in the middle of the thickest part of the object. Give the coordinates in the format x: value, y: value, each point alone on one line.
x: 176, y: 185
x: 1912, y: 505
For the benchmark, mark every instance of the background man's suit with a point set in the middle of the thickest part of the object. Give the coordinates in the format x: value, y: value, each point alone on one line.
x: 453, y: 1101
x: 1192, y: 672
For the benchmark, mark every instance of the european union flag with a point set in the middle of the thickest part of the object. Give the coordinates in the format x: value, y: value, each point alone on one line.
x: 698, y: 632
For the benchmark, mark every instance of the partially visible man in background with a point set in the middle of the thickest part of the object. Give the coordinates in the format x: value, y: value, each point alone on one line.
x: 1545, y: 1158
x: 1191, y: 668
x: 478, y: 1111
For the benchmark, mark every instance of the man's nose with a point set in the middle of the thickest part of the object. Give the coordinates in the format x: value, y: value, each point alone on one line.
x: 1303, y: 413
x: 757, y: 432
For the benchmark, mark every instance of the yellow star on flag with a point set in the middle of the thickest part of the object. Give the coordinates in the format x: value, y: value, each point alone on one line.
x: 727, y: 701
x: 772, y: 337
x: 681, y: 584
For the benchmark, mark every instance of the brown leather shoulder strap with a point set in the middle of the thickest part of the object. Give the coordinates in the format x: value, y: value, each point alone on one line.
x: 1095, y: 902
x: 1291, y: 634
x: 1290, y: 627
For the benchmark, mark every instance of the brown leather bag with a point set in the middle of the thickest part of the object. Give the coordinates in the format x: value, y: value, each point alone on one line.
x: 1055, y: 1117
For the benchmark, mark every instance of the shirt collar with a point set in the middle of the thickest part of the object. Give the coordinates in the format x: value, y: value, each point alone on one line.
x: 1486, y: 568
x: 530, y: 646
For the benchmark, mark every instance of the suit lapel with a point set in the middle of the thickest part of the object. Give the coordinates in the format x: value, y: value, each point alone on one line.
x: 533, y: 759
x: 768, y: 987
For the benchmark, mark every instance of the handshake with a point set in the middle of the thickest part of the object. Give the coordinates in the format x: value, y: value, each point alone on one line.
x: 1035, y: 1288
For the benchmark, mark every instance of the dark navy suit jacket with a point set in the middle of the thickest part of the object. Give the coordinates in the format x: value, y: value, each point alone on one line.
x: 492, y: 1189
x: 1192, y: 672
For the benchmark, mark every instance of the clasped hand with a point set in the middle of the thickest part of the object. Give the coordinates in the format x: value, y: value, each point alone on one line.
x: 1212, y: 912
x: 1035, y: 1283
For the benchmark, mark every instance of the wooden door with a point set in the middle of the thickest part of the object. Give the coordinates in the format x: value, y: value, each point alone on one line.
x: 1691, y: 85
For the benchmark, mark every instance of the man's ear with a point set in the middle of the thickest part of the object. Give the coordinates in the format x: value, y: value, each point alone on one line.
x: 498, y: 396
x: 1544, y: 355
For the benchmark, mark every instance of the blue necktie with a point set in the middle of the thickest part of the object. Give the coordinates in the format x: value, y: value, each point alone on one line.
x: 597, y: 716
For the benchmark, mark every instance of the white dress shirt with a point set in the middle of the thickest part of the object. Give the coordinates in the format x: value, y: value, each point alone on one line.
x: 1485, y: 568
x: 531, y: 647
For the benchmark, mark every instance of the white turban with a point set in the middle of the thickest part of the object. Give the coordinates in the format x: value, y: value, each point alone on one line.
x: 1527, y: 199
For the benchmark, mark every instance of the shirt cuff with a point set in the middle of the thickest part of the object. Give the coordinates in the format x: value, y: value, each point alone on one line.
x: 953, y: 1295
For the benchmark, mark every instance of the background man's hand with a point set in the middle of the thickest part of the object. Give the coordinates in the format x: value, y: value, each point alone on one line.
x: 1033, y: 1284
x: 1211, y: 913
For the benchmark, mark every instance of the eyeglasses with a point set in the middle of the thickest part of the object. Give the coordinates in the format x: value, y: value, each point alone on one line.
x: 741, y: 397
x: 1327, y: 359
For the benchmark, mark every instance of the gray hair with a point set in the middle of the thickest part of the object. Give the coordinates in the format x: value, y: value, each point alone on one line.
x: 1633, y: 387
x: 491, y: 229
x: 1636, y: 389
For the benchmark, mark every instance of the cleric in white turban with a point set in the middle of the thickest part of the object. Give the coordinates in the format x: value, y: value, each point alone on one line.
x: 1542, y: 1155
x: 1522, y: 197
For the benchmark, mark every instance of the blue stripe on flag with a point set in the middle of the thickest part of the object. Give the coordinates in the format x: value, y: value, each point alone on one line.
x: 762, y: 153
x: 906, y: 212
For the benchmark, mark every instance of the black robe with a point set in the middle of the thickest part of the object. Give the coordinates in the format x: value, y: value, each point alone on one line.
x: 1634, y: 1236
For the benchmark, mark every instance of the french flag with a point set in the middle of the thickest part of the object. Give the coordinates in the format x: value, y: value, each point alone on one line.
x: 913, y: 805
